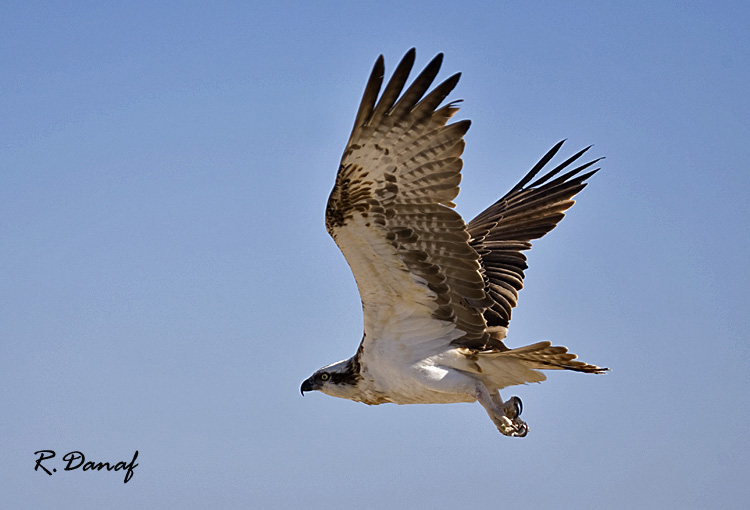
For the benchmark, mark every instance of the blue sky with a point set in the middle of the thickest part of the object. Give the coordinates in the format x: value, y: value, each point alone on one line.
x: 167, y: 281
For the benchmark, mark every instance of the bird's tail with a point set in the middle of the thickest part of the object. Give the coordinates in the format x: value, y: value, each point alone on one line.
x: 545, y: 356
x: 502, y: 368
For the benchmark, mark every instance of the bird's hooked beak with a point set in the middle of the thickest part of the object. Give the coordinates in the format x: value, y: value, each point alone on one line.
x: 307, y: 386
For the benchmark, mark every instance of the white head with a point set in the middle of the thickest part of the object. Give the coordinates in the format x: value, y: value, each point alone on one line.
x: 337, y: 380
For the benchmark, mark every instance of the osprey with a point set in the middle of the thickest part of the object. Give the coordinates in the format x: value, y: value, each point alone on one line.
x: 437, y: 294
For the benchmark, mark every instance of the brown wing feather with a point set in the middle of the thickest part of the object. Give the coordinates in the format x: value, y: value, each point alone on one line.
x: 505, y: 230
x: 390, y: 210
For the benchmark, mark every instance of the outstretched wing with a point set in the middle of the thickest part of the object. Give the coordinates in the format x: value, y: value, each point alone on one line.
x: 503, y: 231
x: 391, y: 212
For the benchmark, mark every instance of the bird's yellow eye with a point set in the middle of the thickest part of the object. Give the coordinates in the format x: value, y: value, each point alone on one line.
x: 324, y: 376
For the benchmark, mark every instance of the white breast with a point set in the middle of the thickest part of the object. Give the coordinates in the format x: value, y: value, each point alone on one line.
x: 411, y: 361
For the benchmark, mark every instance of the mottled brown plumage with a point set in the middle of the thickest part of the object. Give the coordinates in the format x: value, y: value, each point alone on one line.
x: 409, y: 201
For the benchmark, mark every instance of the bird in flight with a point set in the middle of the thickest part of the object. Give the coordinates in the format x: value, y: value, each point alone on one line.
x: 437, y: 293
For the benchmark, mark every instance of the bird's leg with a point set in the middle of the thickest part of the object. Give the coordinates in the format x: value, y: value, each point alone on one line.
x: 505, y: 415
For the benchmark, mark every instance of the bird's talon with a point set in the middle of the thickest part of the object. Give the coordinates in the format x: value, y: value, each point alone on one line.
x: 512, y: 427
x: 519, y: 405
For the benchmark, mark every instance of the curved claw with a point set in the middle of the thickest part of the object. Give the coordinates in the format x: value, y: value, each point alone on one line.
x: 513, y: 427
x: 511, y: 424
x: 519, y: 405
x: 521, y: 429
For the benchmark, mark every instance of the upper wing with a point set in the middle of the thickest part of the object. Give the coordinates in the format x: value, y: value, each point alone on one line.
x: 390, y: 211
x: 504, y: 230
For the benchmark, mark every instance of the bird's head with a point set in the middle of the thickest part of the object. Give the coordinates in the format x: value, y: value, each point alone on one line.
x: 337, y: 380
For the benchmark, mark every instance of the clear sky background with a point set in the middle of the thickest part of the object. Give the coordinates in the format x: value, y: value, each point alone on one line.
x: 166, y: 280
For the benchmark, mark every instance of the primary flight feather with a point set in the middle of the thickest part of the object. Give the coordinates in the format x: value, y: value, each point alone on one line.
x: 437, y: 294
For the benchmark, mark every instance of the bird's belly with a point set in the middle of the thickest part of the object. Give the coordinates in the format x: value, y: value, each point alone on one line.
x: 427, y: 396
x: 425, y: 382
x: 409, y: 391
